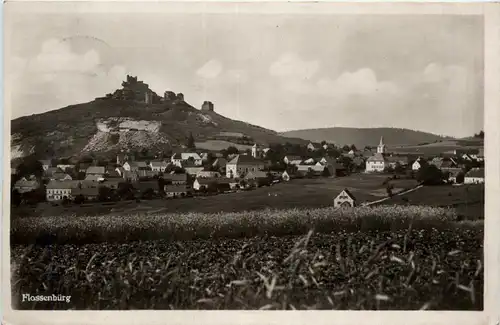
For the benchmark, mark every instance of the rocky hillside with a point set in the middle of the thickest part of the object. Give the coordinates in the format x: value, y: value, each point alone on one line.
x: 366, y: 137
x: 105, y: 125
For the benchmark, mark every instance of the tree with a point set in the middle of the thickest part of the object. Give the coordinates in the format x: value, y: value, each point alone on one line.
x: 460, y: 178
x: 79, y: 199
x: 429, y: 174
x: 104, y: 194
x: 30, y: 166
x: 191, y: 142
x: 353, y: 147
x: 326, y: 172
x: 346, y: 148
x: 15, y: 198
x: 231, y: 150
x: 399, y: 169
x: 389, y: 189
x: 161, y: 186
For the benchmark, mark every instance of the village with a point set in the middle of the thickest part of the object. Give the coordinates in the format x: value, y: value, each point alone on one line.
x: 192, y: 173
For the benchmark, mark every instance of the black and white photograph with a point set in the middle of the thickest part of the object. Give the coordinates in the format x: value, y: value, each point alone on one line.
x: 175, y: 157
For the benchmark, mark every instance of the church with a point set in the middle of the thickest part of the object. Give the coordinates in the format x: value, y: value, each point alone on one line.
x: 378, y: 161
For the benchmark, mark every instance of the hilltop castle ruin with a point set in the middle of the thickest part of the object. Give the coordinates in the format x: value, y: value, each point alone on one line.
x: 139, y: 91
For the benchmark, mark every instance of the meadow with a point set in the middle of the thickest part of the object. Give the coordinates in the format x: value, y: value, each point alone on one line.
x: 298, y: 193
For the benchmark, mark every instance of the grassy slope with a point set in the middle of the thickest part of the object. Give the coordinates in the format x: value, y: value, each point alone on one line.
x: 361, y: 137
x: 67, y: 130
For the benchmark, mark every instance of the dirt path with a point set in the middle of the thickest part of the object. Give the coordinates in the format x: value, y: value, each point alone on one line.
x: 398, y: 194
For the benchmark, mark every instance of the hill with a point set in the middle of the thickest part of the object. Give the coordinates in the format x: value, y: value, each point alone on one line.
x: 361, y: 137
x: 109, y: 124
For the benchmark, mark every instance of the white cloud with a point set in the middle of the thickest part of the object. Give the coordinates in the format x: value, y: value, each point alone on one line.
x: 361, y: 82
x: 210, y: 70
x: 57, y: 76
x: 291, y: 65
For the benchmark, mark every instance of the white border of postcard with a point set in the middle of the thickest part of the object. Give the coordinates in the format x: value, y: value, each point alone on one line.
x: 490, y: 315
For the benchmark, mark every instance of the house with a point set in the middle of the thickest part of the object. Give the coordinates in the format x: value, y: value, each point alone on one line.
x: 204, y: 156
x: 176, y: 179
x: 121, y: 159
x: 193, y: 170
x: 96, y: 170
x: 448, y: 164
x: 111, y: 183
x: 309, y: 161
x: 311, y: 146
x: 135, y: 166
x: 201, y: 184
x: 158, y: 166
x: 132, y: 176
x: 63, y: 167
x: 376, y: 163
x: 240, y: 165
x: 451, y: 173
x: 120, y: 171
x: 142, y: 174
x: 317, y: 169
x: 178, y: 158
x: 174, y: 191
x: 94, y: 177
x: 480, y: 155
x: 143, y: 186
x: 437, y: 161
x: 89, y: 193
x: 46, y: 164
x: 208, y: 174
x: 60, y: 190
x: 417, y: 164
x: 82, y: 168
x: 474, y: 176
x: 220, y: 163
x: 466, y: 157
x: 23, y: 185
x: 257, y: 175
x: 292, y: 160
x: 58, y: 176
x: 344, y: 200
x: 285, y: 176
x: 113, y: 174
x: 49, y: 172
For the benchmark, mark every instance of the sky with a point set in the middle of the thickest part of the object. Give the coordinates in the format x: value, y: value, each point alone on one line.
x: 279, y: 71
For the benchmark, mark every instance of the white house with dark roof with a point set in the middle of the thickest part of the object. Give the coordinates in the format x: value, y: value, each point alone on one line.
x: 311, y: 146
x: 178, y: 158
x: 292, y: 160
x: 474, y: 176
x: 417, y: 164
x: 158, y: 166
x: 241, y: 165
x: 345, y: 199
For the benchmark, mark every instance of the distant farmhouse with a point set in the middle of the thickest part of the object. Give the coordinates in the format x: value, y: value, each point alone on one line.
x: 344, y: 200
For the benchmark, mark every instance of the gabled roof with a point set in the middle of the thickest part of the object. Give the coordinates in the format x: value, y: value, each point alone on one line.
x: 245, y: 160
x: 377, y: 157
x: 176, y: 177
x: 62, y: 184
x: 93, y: 177
x: 348, y: 193
x: 96, y: 170
x: 138, y: 164
x: 256, y: 174
x: 475, y: 172
x: 176, y: 188
x: 158, y: 164
x: 292, y: 157
x: 220, y: 162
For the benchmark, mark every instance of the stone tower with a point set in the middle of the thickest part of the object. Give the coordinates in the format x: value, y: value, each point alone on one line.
x: 207, y: 106
x: 381, y: 146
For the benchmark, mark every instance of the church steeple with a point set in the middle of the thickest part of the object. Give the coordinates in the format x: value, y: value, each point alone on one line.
x: 381, y: 146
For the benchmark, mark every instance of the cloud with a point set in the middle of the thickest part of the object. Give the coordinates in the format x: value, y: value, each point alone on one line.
x: 210, y: 70
x: 292, y: 66
x: 57, y: 76
x: 362, y: 82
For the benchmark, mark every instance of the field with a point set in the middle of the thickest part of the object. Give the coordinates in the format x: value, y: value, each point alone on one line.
x: 467, y: 200
x: 298, y: 193
x: 218, y: 145
x: 363, y: 270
